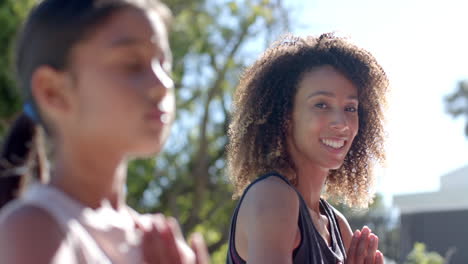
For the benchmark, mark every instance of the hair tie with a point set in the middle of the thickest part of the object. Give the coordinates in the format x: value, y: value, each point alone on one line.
x: 31, y: 112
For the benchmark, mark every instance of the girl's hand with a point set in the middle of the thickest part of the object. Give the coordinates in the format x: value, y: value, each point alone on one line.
x: 163, y: 243
x: 363, y: 248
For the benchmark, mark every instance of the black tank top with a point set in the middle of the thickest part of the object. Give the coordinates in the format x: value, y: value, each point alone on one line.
x: 312, y: 249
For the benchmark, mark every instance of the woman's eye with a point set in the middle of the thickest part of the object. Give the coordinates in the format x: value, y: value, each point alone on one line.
x: 321, y: 105
x: 134, y: 66
x: 351, y: 109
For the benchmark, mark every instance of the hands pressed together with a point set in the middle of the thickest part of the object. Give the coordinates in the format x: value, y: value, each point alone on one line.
x: 163, y: 243
x: 364, y: 248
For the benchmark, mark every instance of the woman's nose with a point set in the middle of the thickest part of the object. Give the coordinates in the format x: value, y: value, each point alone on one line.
x: 339, y: 122
x: 161, y: 82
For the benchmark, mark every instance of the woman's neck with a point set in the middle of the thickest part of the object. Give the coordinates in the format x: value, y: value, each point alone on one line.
x: 91, y: 178
x: 310, y: 182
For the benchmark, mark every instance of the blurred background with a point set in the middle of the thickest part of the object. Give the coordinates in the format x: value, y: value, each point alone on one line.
x: 421, y: 209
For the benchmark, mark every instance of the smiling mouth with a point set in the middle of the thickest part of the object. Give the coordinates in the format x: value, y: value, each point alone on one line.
x: 334, y: 143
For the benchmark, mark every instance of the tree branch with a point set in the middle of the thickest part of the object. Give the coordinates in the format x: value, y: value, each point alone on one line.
x: 201, y: 169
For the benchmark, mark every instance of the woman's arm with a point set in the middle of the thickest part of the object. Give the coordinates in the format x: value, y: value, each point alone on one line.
x: 267, y: 223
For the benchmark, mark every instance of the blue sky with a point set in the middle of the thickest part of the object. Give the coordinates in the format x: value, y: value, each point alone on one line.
x: 423, y: 46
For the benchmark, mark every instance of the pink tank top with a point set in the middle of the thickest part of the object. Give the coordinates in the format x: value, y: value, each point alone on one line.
x: 101, y: 236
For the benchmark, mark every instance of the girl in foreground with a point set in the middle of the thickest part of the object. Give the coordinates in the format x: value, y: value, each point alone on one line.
x: 307, y: 124
x: 95, y: 78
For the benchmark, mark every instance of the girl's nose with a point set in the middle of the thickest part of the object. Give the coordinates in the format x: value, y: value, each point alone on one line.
x: 161, y: 82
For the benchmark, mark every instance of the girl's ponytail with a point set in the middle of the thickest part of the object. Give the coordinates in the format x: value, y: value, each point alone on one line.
x: 22, y: 158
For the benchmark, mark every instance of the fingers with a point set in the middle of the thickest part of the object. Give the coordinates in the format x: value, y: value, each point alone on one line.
x: 198, y: 253
x: 363, y: 248
x: 363, y: 244
x: 164, y: 243
x: 197, y: 243
x: 170, y: 242
x: 352, y: 248
x: 150, y: 252
x: 379, y: 258
x: 174, y: 225
x: 159, y: 244
x: 153, y: 252
x: 186, y: 254
x: 371, y: 250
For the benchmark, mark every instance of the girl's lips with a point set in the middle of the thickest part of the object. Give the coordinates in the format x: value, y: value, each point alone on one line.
x: 157, y: 115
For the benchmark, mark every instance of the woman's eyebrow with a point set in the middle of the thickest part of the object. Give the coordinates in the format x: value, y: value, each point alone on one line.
x: 128, y: 42
x: 147, y: 45
x: 321, y: 93
x: 329, y: 94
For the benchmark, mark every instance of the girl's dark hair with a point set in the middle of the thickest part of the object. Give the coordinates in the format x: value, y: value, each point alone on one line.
x: 51, y: 31
x: 263, y: 103
x: 21, y: 157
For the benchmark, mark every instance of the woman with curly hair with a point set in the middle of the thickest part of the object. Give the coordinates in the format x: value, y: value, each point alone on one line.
x: 307, y: 125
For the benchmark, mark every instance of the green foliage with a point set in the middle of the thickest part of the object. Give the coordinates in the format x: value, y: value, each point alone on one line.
x: 457, y: 103
x: 12, y: 13
x: 419, y: 255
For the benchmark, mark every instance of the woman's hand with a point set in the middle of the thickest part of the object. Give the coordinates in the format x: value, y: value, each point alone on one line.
x: 163, y: 243
x: 364, y: 248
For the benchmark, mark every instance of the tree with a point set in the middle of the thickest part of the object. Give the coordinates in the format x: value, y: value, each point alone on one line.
x: 457, y: 103
x: 419, y: 255
x: 12, y: 13
x: 211, y: 41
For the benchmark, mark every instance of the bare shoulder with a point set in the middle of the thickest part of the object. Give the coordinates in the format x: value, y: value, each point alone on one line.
x: 28, y: 234
x: 271, y: 196
x: 345, y: 228
x: 267, y: 222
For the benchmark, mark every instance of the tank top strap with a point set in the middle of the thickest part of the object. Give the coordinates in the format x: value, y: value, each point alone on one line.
x: 337, y: 241
x: 264, y: 176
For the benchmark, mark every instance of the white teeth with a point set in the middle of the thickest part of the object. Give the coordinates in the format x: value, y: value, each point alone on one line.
x: 333, y: 143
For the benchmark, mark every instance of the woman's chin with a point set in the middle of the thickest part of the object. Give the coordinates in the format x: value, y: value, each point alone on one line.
x: 148, y: 150
x: 335, y: 165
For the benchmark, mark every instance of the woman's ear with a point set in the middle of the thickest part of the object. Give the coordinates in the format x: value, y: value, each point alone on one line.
x: 48, y: 87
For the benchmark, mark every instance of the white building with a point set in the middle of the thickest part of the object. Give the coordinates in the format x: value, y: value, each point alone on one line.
x: 438, y: 219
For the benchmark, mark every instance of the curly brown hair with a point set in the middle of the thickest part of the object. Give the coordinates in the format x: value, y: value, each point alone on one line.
x: 263, y: 104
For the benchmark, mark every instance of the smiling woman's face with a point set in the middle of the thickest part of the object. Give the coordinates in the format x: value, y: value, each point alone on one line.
x: 324, y: 119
